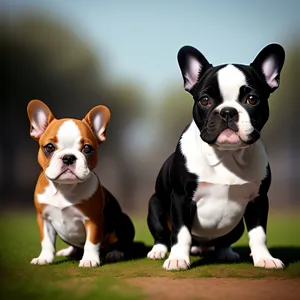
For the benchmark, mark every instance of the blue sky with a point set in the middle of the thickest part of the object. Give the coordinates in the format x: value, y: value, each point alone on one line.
x: 139, y: 40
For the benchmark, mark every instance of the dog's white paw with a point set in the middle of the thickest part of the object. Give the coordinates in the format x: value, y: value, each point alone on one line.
x: 91, y: 255
x: 226, y: 254
x: 179, y: 258
x: 85, y: 263
x: 90, y: 259
x: 159, y: 251
x: 268, y: 263
x: 259, y: 251
x: 176, y: 264
x: 70, y: 251
x: 45, y: 258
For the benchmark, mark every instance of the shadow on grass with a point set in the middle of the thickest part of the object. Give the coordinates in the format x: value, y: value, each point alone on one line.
x: 138, y: 251
x: 287, y: 255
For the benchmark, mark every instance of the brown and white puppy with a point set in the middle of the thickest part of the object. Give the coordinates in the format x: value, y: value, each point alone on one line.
x: 68, y: 197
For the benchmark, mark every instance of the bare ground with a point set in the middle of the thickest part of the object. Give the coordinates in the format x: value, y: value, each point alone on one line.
x: 218, y: 288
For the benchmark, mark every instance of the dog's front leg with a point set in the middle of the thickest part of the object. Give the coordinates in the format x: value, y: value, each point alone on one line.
x: 256, y: 216
x: 179, y: 258
x: 47, y: 237
x: 91, y: 251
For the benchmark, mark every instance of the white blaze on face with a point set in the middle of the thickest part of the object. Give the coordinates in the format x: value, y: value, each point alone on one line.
x: 68, y: 143
x: 68, y: 136
x: 230, y: 80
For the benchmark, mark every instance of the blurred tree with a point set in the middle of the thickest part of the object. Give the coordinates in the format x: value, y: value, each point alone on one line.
x: 43, y: 59
x: 282, y: 132
x: 174, y: 114
x: 125, y: 102
x: 284, y: 104
x: 166, y: 120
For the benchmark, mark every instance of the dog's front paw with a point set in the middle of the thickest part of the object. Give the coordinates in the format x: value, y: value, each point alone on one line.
x: 67, y: 252
x: 268, y: 263
x: 90, y: 260
x: 226, y: 254
x: 91, y: 255
x: 159, y: 251
x: 263, y: 259
x: 45, y: 258
x: 176, y: 264
x: 89, y: 263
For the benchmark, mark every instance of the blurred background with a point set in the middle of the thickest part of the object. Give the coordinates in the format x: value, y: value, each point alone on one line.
x: 74, y: 55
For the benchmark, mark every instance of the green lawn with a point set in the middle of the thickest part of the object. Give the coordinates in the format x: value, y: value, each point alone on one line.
x: 64, y: 280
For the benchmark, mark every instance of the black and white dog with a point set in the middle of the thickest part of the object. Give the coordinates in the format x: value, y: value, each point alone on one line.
x: 219, y: 173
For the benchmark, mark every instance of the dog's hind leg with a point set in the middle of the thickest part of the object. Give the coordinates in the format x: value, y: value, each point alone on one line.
x: 158, y: 225
x: 222, y: 245
x: 68, y: 252
x: 124, y: 231
x: 200, y: 249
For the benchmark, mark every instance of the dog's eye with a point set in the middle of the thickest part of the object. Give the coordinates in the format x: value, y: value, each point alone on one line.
x: 49, y: 148
x: 87, y: 149
x: 204, y: 101
x: 252, y: 100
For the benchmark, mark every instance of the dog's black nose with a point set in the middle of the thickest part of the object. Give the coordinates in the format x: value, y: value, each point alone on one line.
x: 69, y: 159
x: 228, y: 113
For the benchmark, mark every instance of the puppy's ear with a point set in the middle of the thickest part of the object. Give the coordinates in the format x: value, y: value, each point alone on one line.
x: 39, y: 116
x: 192, y: 64
x: 98, y: 118
x: 269, y: 63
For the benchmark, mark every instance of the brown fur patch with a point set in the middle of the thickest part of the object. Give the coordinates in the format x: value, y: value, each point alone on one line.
x: 109, y: 238
x: 93, y: 209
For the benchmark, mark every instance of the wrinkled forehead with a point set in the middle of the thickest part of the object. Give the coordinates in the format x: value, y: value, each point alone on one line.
x: 225, y: 82
x: 69, y: 133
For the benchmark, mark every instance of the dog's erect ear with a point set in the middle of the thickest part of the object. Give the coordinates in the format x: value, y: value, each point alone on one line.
x: 98, y: 118
x: 268, y: 63
x: 192, y: 64
x: 39, y: 116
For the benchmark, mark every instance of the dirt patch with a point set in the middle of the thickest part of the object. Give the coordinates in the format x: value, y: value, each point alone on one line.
x: 82, y: 284
x: 218, y: 288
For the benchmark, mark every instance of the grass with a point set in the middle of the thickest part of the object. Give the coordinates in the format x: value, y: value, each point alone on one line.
x: 63, y: 279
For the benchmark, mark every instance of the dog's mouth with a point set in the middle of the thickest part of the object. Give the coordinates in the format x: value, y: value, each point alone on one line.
x: 67, y: 175
x: 228, y: 136
x: 229, y: 140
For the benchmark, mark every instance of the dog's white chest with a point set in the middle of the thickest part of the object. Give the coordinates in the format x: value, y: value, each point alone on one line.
x: 220, y: 207
x: 60, y: 210
x: 68, y: 224
x: 68, y: 195
x: 228, y: 180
